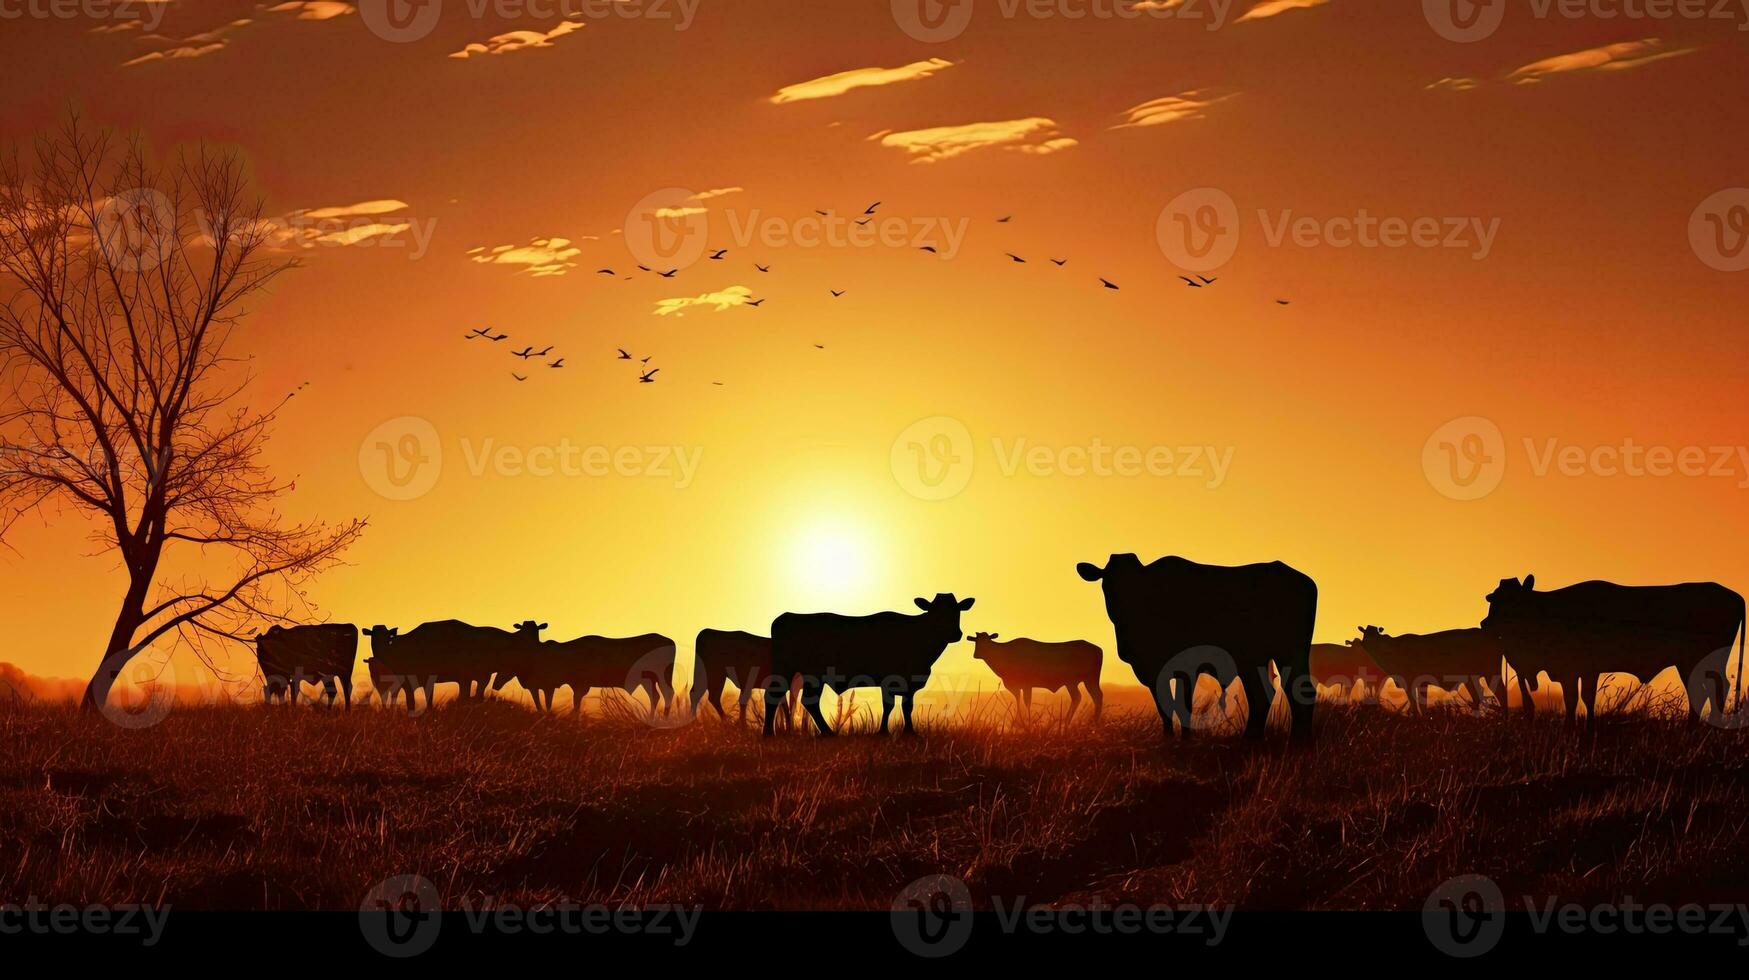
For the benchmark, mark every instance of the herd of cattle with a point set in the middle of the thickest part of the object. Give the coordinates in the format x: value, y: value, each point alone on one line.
x: 1175, y: 621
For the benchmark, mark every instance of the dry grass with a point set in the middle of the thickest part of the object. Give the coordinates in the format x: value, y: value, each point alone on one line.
x: 240, y: 807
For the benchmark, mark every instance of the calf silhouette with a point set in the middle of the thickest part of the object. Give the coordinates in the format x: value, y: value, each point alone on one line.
x: 1579, y: 633
x: 724, y: 656
x: 1177, y: 620
x: 889, y: 650
x: 291, y: 656
x: 444, y: 652
x: 1466, y: 658
x: 630, y: 663
x: 1024, y: 664
x: 1345, y: 665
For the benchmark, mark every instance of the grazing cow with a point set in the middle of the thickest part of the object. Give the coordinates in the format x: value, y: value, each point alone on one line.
x: 1345, y: 665
x: 1024, y: 664
x: 291, y: 656
x: 1177, y: 620
x: 628, y: 663
x: 721, y: 657
x: 444, y: 652
x: 1467, y: 658
x: 1579, y: 633
x: 888, y: 650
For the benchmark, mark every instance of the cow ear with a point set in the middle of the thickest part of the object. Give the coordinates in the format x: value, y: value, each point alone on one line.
x: 542, y: 626
x: 994, y: 635
x: 367, y: 631
x: 966, y: 604
x: 1530, y: 581
x: 922, y: 604
x: 1090, y: 571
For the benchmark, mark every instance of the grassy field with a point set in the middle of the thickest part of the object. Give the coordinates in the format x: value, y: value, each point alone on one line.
x: 239, y: 807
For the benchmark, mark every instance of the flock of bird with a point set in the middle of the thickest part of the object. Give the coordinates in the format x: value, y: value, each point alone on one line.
x: 647, y: 374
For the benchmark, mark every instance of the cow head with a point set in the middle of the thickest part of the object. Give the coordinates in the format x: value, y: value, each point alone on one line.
x: 980, y: 639
x: 1120, y: 579
x: 1510, y: 601
x: 529, y: 630
x: 943, y: 615
x: 1369, y: 634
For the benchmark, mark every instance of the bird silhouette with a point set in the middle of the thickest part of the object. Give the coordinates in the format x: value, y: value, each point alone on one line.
x: 518, y: 377
x: 1206, y: 280
x: 543, y: 353
x: 717, y: 383
x: 864, y: 222
x: 837, y: 292
x: 822, y: 213
x: 1281, y: 302
x: 820, y: 346
x: 871, y: 208
x: 604, y: 272
x: 1192, y: 283
x: 623, y: 356
x: 762, y: 268
x: 502, y: 336
x: 927, y: 248
x: 1108, y: 284
x: 755, y: 303
x: 1059, y: 262
x: 646, y: 360
x: 717, y: 256
x: 648, y: 377
x: 646, y: 268
x: 480, y: 332
x: 669, y: 274
x: 525, y: 353
x: 558, y: 363
x: 1005, y: 219
x: 1016, y: 258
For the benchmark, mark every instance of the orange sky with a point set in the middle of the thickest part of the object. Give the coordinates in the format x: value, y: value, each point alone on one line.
x: 1589, y: 321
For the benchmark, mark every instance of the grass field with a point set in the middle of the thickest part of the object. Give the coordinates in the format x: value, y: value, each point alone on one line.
x: 239, y: 807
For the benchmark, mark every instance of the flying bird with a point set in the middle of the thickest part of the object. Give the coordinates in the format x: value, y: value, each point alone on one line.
x: 518, y: 377
x: 820, y: 346
x: 837, y: 292
x: 1015, y: 257
x: 762, y: 268
x: 927, y: 248
x: 646, y: 268
x: 864, y: 222
x: 1108, y: 284
x: 1206, y: 280
x: 1281, y: 302
x: 717, y: 383
x: 1059, y: 262
x: 1005, y: 219
x: 525, y: 353
x: 669, y: 274
x: 646, y: 360
x: 623, y: 356
x: 1192, y: 283
x: 821, y: 213
x: 604, y: 272
x: 717, y: 256
x: 558, y: 363
x: 871, y: 208
x: 648, y: 377
x: 755, y: 303
x: 543, y: 353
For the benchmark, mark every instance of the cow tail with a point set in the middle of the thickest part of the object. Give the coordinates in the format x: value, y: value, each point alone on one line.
x: 1742, y: 640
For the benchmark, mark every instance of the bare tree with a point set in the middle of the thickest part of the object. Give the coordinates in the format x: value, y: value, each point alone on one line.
x: 123, y: 281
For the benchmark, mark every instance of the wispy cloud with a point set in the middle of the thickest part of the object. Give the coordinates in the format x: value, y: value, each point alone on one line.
x: 514, y: 41
x: 1609, y: 57
x: 1035, y: 135
x: 720, y: 300
x: 716, y: 192
x: 828, y: 86
x: 1172, y: 108
x: 384, y: 206
x: 193, y: 46
x: 1270, y: 8
x: 1460, y: 84
x: 347, y: 224
x: 314, y: 9
x: 540, y: 257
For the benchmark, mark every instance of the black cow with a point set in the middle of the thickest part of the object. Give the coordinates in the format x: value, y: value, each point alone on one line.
x: 444, y: 652
x: 888, y: 650
x: 1449, y: 659
x: 1177, y: 620
x: 1579, y: 633
x: 292, y: 656
x: 631, y: 663
x: 1022, y: 664
x: 722, y: 657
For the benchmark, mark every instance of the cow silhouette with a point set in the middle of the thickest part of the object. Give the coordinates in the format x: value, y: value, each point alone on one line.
x: 1450, y: 659
x: 889, y: 650
x: 1346, y: 666
x: 1022, y: 665
x: 1177, y: 620
x: 629, y: 663
x: 291, y: 656
x: 1581, y: 632
x: 724, y: 656
x: 443, y: 652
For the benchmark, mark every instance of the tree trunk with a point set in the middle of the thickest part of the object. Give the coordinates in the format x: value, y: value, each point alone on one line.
x: 120, y: 649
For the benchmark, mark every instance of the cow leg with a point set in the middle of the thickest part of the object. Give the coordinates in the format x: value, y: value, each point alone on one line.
x: 1472, y: 684
x: 346, y: 689
x: 773, y: 702
x: 649, y: 688
x: 1184, y: 702
x: 328, y: 691
x: 431, y: 694
x: 1588, y: 692
x: 811, y: 702
x: 1019, y: 704
x: 1259, y: 694
x: 1074, y: 702
x: 1301, y: 691
x: 1526, y: 696
x: 1098, y: 698
x: 1570, y: 697
x: 886, y: 707
x: 1165, y: 703
x: 910, y: 702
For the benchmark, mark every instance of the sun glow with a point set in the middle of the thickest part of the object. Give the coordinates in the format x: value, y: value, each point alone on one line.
x: 832, y: 559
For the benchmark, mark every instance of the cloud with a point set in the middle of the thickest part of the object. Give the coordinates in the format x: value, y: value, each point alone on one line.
x: 1172, y: 108
x: 385, y: 206
x: 1462, y: 84
x: 540, y: 257
x: 1610, y: 57
x: 1269, y: 8
x: 518, y: 41
x: 718, y: 192
x: 720, y: 300
x: 827, y: 86
x: 680, y: 212
x: 357, y: 233
x: 342, y: 225
x: 1035, y: 135
x: 193, y: 46
x: 314, y: 9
